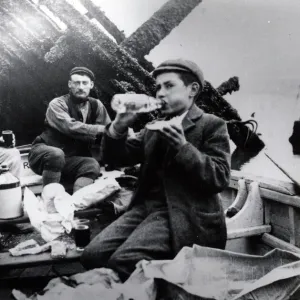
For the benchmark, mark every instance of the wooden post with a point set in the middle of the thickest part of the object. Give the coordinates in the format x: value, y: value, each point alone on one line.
x: 96, y: 41
x: 149, y: 35
x: 96, y: 12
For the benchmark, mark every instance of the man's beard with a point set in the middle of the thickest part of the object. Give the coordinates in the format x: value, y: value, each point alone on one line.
x: 79, y: 100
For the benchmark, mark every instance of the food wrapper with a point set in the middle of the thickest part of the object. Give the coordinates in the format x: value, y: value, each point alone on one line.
x: 29, y: 247
x: 58, y: 248
x: 95, y: 193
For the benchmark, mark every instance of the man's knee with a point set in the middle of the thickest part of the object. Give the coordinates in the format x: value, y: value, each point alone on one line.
x: 92, y: 257
x: 54, y: 159
x: 90, y: 168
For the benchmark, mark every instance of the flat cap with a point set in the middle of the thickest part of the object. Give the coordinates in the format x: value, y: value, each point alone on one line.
x: 83, y: 70
x: 182, y: 65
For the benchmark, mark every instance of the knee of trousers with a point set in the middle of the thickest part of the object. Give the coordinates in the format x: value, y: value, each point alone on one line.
x: 92, y: 258
x: 89, y: 168
x: 54, y: 160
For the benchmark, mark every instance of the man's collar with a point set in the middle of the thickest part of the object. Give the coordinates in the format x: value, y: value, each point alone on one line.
x: 193, y: 114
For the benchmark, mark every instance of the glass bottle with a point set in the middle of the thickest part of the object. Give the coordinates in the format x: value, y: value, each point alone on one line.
x: 137, y: 103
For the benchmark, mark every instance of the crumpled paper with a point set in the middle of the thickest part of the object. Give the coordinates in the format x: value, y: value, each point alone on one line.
x: 50, y: 225
x: 29, y: 247
x: 99, y: 283
x: 53, y: 213
x: 198, y: 272
x: 95, y: 193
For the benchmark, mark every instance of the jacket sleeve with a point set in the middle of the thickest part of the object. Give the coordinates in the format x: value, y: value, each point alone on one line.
x: 125, y: 151
x: 208, y: 168
x: 58, y: 117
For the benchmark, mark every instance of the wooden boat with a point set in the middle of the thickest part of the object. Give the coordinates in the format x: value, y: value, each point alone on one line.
x: 268, y: 217
x: 269, y: 210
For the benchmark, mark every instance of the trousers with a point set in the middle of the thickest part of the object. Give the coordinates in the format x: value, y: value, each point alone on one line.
x: 140, y: 233
x: 43, y: 157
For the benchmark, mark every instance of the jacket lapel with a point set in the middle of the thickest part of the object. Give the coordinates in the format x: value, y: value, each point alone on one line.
x: 188, y: 123
x: 193, y: 115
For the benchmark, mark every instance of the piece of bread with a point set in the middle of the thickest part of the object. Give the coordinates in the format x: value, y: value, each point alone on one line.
x: 58, y: 249
x: 160, y: 124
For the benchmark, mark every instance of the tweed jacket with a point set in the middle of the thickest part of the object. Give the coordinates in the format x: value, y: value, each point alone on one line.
x: 192, y: 177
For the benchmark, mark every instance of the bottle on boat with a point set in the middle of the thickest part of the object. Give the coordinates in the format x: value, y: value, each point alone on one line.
x: 10, y: 194
x: 137, y: 103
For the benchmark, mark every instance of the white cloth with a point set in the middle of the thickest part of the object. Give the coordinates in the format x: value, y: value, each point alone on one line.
x: 11, y: 157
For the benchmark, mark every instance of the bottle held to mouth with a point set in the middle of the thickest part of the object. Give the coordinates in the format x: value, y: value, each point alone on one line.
x: 137, y: 103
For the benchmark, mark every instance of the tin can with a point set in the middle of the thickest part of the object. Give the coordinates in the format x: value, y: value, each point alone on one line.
x: 8, y: 138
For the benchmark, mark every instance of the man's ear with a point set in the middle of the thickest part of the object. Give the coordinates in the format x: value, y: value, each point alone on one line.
x: 92, y: 84
x: 69, y: 84
x: 195, y: 88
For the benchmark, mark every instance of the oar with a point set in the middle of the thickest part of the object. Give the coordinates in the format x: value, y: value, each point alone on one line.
x: 283, y: 170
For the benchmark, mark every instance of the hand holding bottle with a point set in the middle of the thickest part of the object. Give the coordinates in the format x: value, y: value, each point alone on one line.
x: 123, y: 121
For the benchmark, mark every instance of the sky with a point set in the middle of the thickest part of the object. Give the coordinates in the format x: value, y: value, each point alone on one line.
x: 258, y: 41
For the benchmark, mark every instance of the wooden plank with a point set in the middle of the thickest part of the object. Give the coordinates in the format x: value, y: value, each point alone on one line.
x: 275, y: 242
x: 250, y: 231
x: 292, y: 226
x: 66, y: 269
x: 267, y: 211
x: 279, y: 197
x: 295, y: 226
x: 86, y: 213
x: 40, y: 271
x: 279, y: 220
x: 6, y: 260
x: 280, y: 186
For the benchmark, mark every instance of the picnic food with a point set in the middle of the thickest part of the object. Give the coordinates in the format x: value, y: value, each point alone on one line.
x: 160, y: 124
x: 58, y: 249
x: 29, y: 247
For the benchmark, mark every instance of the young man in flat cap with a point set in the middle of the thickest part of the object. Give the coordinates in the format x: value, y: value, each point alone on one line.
x: 184, y: 167
x: 74, y: 125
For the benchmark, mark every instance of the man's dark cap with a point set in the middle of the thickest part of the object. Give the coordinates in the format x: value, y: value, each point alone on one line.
x: 83, y: 70
x: 181, y: 65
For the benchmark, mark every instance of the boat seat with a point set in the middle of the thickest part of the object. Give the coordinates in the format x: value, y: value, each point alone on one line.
x: 13, y: 262
x: 248, y: 231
